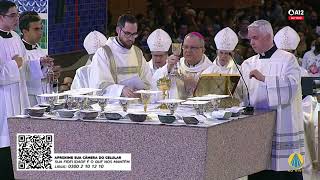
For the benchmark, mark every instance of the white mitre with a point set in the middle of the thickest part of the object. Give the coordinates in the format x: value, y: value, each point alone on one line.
x: 159, y: 40
x: 226, y: 39
x: 93, y: 41
x: 287, y: 39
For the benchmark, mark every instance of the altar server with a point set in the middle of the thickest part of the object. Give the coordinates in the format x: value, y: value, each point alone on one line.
x: 37, y: 60
x: 13, y: 91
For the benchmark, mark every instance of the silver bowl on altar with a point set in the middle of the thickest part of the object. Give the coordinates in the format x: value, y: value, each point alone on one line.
x: 88, y: 114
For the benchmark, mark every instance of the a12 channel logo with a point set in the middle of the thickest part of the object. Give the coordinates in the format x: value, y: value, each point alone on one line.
x: 296, y: 161
x: 296, y: 14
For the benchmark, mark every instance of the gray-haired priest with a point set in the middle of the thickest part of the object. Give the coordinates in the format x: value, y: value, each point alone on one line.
x: 119, y: 67
x: 273, y: 79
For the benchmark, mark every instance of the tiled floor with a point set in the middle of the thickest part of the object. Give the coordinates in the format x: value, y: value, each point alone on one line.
x: 311, y: 175
x: 306, y: 176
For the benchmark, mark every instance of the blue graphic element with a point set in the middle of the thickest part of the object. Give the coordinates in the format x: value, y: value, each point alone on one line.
x: 39, y: 6
x: 295, y: 162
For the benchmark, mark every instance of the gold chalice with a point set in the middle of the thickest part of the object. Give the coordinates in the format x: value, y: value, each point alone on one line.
x: 145, y: 97
x: 164, y: 85
x: 176, y: 50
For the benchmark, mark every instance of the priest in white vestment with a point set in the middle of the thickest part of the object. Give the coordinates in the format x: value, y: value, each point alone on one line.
x: 159, y: 43
x: 189, y: 67
x: 273, y: 79
x: 13, y: 91
x: 93, y: 41
x: 226, y: 40
x: 119, y: 68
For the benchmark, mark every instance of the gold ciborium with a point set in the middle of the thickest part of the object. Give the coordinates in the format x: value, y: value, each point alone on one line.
x: 164, y: 85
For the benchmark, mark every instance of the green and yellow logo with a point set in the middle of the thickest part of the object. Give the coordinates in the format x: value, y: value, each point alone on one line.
x: 295, y: 160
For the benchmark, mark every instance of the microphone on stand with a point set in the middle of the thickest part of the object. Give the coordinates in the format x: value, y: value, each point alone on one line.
x: 248, y: 110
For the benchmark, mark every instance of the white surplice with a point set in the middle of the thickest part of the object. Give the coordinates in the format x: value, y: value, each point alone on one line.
x: 127, y: 66
x: 216, y: 67
x: 281, y: 91
x: 35, y: 75
x: 13, y: 90
x: 184, y: 70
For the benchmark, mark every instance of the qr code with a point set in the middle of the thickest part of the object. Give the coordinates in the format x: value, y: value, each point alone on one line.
x: 34, y: 151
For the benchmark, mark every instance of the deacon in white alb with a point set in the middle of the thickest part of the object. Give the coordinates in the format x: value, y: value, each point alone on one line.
x: 288, y: 39
x: 93, y: 41
x: 159, y: 43
x: 190, y: 66
x: 226, y: 40
x: 273, y: 79
x: 119, y: 67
